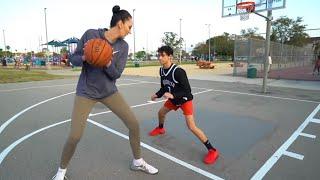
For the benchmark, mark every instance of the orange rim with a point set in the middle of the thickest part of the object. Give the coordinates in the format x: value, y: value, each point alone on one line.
x: 246, y: 5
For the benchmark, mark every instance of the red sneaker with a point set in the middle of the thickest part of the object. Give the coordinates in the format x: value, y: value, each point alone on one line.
x: 156, y: 131
x: 211, y: 157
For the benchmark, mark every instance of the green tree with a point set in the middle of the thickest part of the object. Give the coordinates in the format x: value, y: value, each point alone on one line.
x: 251, y: 32
x: 223, y: 45
x: 172, y: 39
x: 63, y: 50
x: 200, y: 49
x: 289, y: 31
x: 141, y: 55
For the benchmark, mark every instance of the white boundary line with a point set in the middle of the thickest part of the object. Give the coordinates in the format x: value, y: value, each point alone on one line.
x: 316, y: 121
x: 276, y: 156
x: 293, y: 155
x: 266, y: 96
x: 5, y: 124
x: 35, y: 87
x: 248, y: 94
x: 308, y: 135
x: 151, y: 82
x: 161, y: 153
x: 148, y: 102
x: 5, y: 152
x: 38, y: 87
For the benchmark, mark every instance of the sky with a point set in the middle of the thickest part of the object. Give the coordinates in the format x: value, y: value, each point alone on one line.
x: 22, y: 23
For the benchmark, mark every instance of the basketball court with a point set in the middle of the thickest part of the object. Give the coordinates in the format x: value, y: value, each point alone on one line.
x: 259, y: 136
x: 270, y: 135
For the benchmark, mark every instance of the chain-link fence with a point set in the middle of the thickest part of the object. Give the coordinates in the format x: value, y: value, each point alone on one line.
x: 249, y: 52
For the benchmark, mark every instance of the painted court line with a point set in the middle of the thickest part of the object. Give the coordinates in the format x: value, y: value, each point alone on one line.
x: 6, y: 151
x: 138, y: 105
x: 189, y: 166
x: 293, y: 155
x: 148, y: 103
x: 5, y: 124
x: 316, y: 121
x: 249, y: 94
x: 308, y: 135
x: 163, y: 154
x: 151, y: 82
x: 276, y: 156
x: 36, y: 87
x: 10, y: 147
x: 266, y: 96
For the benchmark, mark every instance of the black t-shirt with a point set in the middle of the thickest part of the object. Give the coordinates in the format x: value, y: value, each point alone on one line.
x: 175, y: 81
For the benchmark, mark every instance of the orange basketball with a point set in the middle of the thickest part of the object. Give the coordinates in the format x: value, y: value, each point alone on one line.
x: 98, y: 52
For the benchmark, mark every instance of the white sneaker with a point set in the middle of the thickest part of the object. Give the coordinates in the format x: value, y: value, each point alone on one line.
x: 145, y: 167
x: 60, y: 174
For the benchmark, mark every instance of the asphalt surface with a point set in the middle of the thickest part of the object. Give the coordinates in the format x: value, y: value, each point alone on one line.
x: 249, y: 128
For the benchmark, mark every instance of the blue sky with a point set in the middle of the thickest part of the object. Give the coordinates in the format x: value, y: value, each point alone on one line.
x: 23, y: 21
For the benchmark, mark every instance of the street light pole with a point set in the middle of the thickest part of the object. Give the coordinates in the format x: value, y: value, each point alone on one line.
x: 134, y: 36
x: 4, y: 41
x: 147, y: 48
x: 45, y: 21
x: 209, y: 39
x: 180, y: 44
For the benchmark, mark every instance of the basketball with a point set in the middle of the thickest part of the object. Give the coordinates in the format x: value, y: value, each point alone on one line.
x: 98, y: 52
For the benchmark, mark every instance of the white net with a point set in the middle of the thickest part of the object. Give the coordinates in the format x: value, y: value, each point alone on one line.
x: 244, y: 15
x: 244, y: 8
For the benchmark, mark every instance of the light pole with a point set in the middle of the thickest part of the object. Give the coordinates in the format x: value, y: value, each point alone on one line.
x: 45, y: 21
x: 147, y: 48
x: 209, y: 39
x: 4, y: 41
x: 180, y: 44
x: 134, y: 36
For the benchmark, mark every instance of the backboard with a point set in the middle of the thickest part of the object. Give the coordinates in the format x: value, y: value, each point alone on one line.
x: 229, y: 7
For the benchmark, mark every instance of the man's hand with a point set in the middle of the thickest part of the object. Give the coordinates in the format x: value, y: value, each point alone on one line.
x: 154, y: 97
x: 109, y: 63
x: 168, y: 95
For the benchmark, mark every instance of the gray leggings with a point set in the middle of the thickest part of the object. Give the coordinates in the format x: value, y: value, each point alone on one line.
x: 81, y: 109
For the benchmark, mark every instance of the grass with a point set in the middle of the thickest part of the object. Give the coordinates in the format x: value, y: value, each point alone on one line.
x: 154, y: 63
x: 131, y: 64
x: 14, y: 75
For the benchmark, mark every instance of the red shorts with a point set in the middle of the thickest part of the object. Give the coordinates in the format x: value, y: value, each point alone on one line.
x: 186, y: 107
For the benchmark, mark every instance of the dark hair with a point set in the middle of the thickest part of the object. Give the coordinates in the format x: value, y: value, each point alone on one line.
x: 167, y: 49
x: 119, y: 15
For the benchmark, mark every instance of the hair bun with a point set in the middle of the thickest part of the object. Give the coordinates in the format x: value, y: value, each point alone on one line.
x: 115, y: 9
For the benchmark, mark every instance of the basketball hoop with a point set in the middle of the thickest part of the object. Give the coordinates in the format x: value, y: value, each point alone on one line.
x: 244, y: 8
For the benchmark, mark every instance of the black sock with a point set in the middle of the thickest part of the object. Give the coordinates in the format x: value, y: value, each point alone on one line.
x: 160, y: 125
x: 208, y: 145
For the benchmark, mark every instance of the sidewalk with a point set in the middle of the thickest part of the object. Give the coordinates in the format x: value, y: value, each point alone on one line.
x: 298, y: 84
x: 209, y: 76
